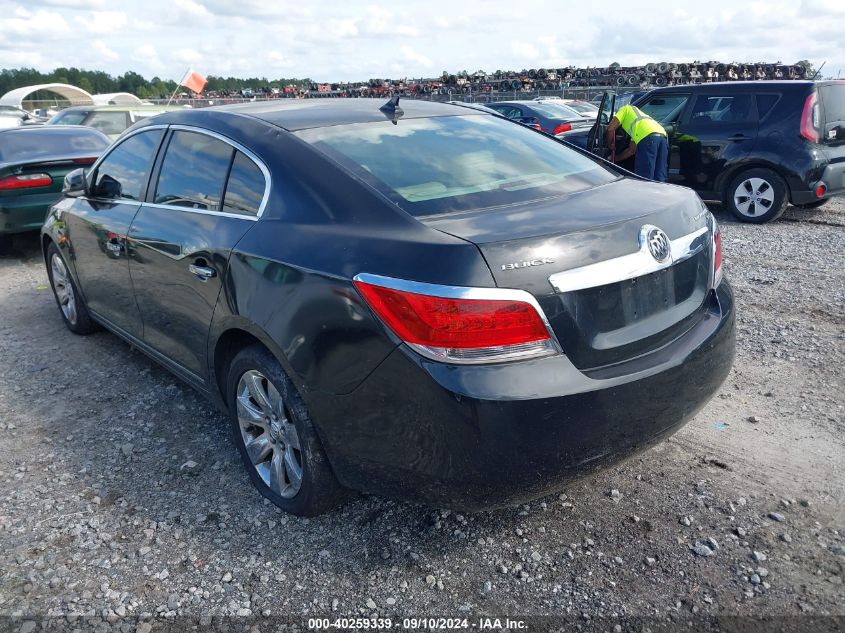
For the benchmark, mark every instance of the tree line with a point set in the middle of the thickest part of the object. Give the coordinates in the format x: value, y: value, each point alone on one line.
x: 99, y: 82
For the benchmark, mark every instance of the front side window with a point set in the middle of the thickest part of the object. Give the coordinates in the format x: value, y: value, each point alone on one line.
x: 245, y: 188
x: 454, y: 163
x: 123, y: 174
x: 721, y: 109
x: 664, y: 108
x: 193, y: 172
x: 108, y: 122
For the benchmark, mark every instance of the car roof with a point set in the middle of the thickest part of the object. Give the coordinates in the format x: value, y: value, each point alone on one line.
x: 301, y: 114
x: 729, y: 85
x: 123, y: 108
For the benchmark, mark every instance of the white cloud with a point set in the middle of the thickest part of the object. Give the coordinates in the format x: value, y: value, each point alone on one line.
x: 192, y: 8
x: 103, y: 21
x: 104, y: 51
x: 416, y: 58
x: 525, y: 50
x: 26, y: 22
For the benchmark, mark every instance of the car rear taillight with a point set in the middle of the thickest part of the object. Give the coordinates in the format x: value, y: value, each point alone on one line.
x: 821, y: 189
x: 562, y: 127
x: 459, y: 325
x: 25, y: 181
x: 717, y: 254
x: 810, y: 118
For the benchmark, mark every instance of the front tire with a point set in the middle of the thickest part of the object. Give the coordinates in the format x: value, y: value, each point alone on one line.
x: 275, y: 436
x: 756, y: 196
x: 71, y: 304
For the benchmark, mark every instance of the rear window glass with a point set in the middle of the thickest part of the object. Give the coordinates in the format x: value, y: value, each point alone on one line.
x: 555, y: 110
x: 455, y: 163
x: 29, y: 144
x: 70, y: 117
x: 245, y: 188
x: 833, y: 102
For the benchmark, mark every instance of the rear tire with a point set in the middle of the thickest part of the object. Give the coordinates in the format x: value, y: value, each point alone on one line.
x: 71, y: 304
x: 274, y: 434
x: 756, y: 196
x: 815, y: 204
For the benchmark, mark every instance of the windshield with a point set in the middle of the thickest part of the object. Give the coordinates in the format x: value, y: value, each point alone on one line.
x: 456, y: 163
x: 30, y: 144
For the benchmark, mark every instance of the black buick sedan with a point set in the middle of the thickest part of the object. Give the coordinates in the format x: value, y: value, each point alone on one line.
x: 418, y: 301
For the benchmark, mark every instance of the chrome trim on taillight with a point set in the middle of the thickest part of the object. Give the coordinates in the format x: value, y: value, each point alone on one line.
x: 716, y: 276
x: 481, y: 355
x: 626, y: 267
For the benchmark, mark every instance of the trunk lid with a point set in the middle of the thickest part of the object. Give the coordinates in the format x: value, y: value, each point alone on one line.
x: 597, y: 323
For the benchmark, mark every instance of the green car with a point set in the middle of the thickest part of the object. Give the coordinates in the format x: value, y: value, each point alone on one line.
x: 33, y: 163
x: 109, y: 119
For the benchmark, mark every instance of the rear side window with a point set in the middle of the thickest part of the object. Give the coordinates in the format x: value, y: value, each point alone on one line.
x: 722, y: 108
x: 108, y: 122
x: 454, y: 163
x: 193, y: 172
x: 123, y: 173
x: 245, y: 188
x: 765, y: 103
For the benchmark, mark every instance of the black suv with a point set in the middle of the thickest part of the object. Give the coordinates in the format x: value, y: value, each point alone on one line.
x: 753, y: 145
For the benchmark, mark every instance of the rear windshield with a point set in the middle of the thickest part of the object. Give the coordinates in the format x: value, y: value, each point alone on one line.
x: 70, y: 117
x: 833, y: 102
x: 27, y: 144
x: 555, y: 110
x: 457, y: 163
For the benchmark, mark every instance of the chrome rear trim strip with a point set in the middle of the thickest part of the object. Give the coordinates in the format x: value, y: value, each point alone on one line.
x: 628, y: 266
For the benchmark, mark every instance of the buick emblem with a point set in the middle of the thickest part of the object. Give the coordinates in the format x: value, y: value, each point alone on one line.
x: 657, y: 242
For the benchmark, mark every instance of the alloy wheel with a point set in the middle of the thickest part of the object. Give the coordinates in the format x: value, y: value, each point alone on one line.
x: 754, y: 197
x: 269, y: 436
x: 63, y: 287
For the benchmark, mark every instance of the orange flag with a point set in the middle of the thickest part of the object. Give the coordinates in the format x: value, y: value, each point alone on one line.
x: 193, y: 80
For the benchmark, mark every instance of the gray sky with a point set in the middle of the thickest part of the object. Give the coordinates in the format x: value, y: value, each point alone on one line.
x: 351, y: 40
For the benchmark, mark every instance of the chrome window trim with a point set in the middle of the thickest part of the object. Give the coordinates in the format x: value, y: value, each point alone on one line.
x: 188, y: 128
x: 466, y: 292
x: 629, y: 266
x: 224, y: 214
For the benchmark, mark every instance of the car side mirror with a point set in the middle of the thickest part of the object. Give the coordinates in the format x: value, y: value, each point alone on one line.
x: 74, y: 184
x: 670, y: 128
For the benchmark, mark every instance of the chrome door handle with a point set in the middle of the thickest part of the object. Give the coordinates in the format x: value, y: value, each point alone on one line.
x: 203, y: 272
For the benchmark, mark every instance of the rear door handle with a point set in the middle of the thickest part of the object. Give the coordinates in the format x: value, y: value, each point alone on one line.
x: 204, y: 273
x: 738, y: 137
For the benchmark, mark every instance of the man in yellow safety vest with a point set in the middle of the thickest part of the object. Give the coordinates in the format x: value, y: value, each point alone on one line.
x: 648, y: 142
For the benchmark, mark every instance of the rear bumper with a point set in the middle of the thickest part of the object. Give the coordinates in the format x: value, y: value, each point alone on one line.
x: 833, y: 178
x: 25, y: 213
x: 476, y: 437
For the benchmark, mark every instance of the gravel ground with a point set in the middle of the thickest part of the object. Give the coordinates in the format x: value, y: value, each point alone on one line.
x: 124, y: 503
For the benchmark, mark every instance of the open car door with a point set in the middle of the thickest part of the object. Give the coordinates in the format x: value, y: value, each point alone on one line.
x: 596, y: 141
